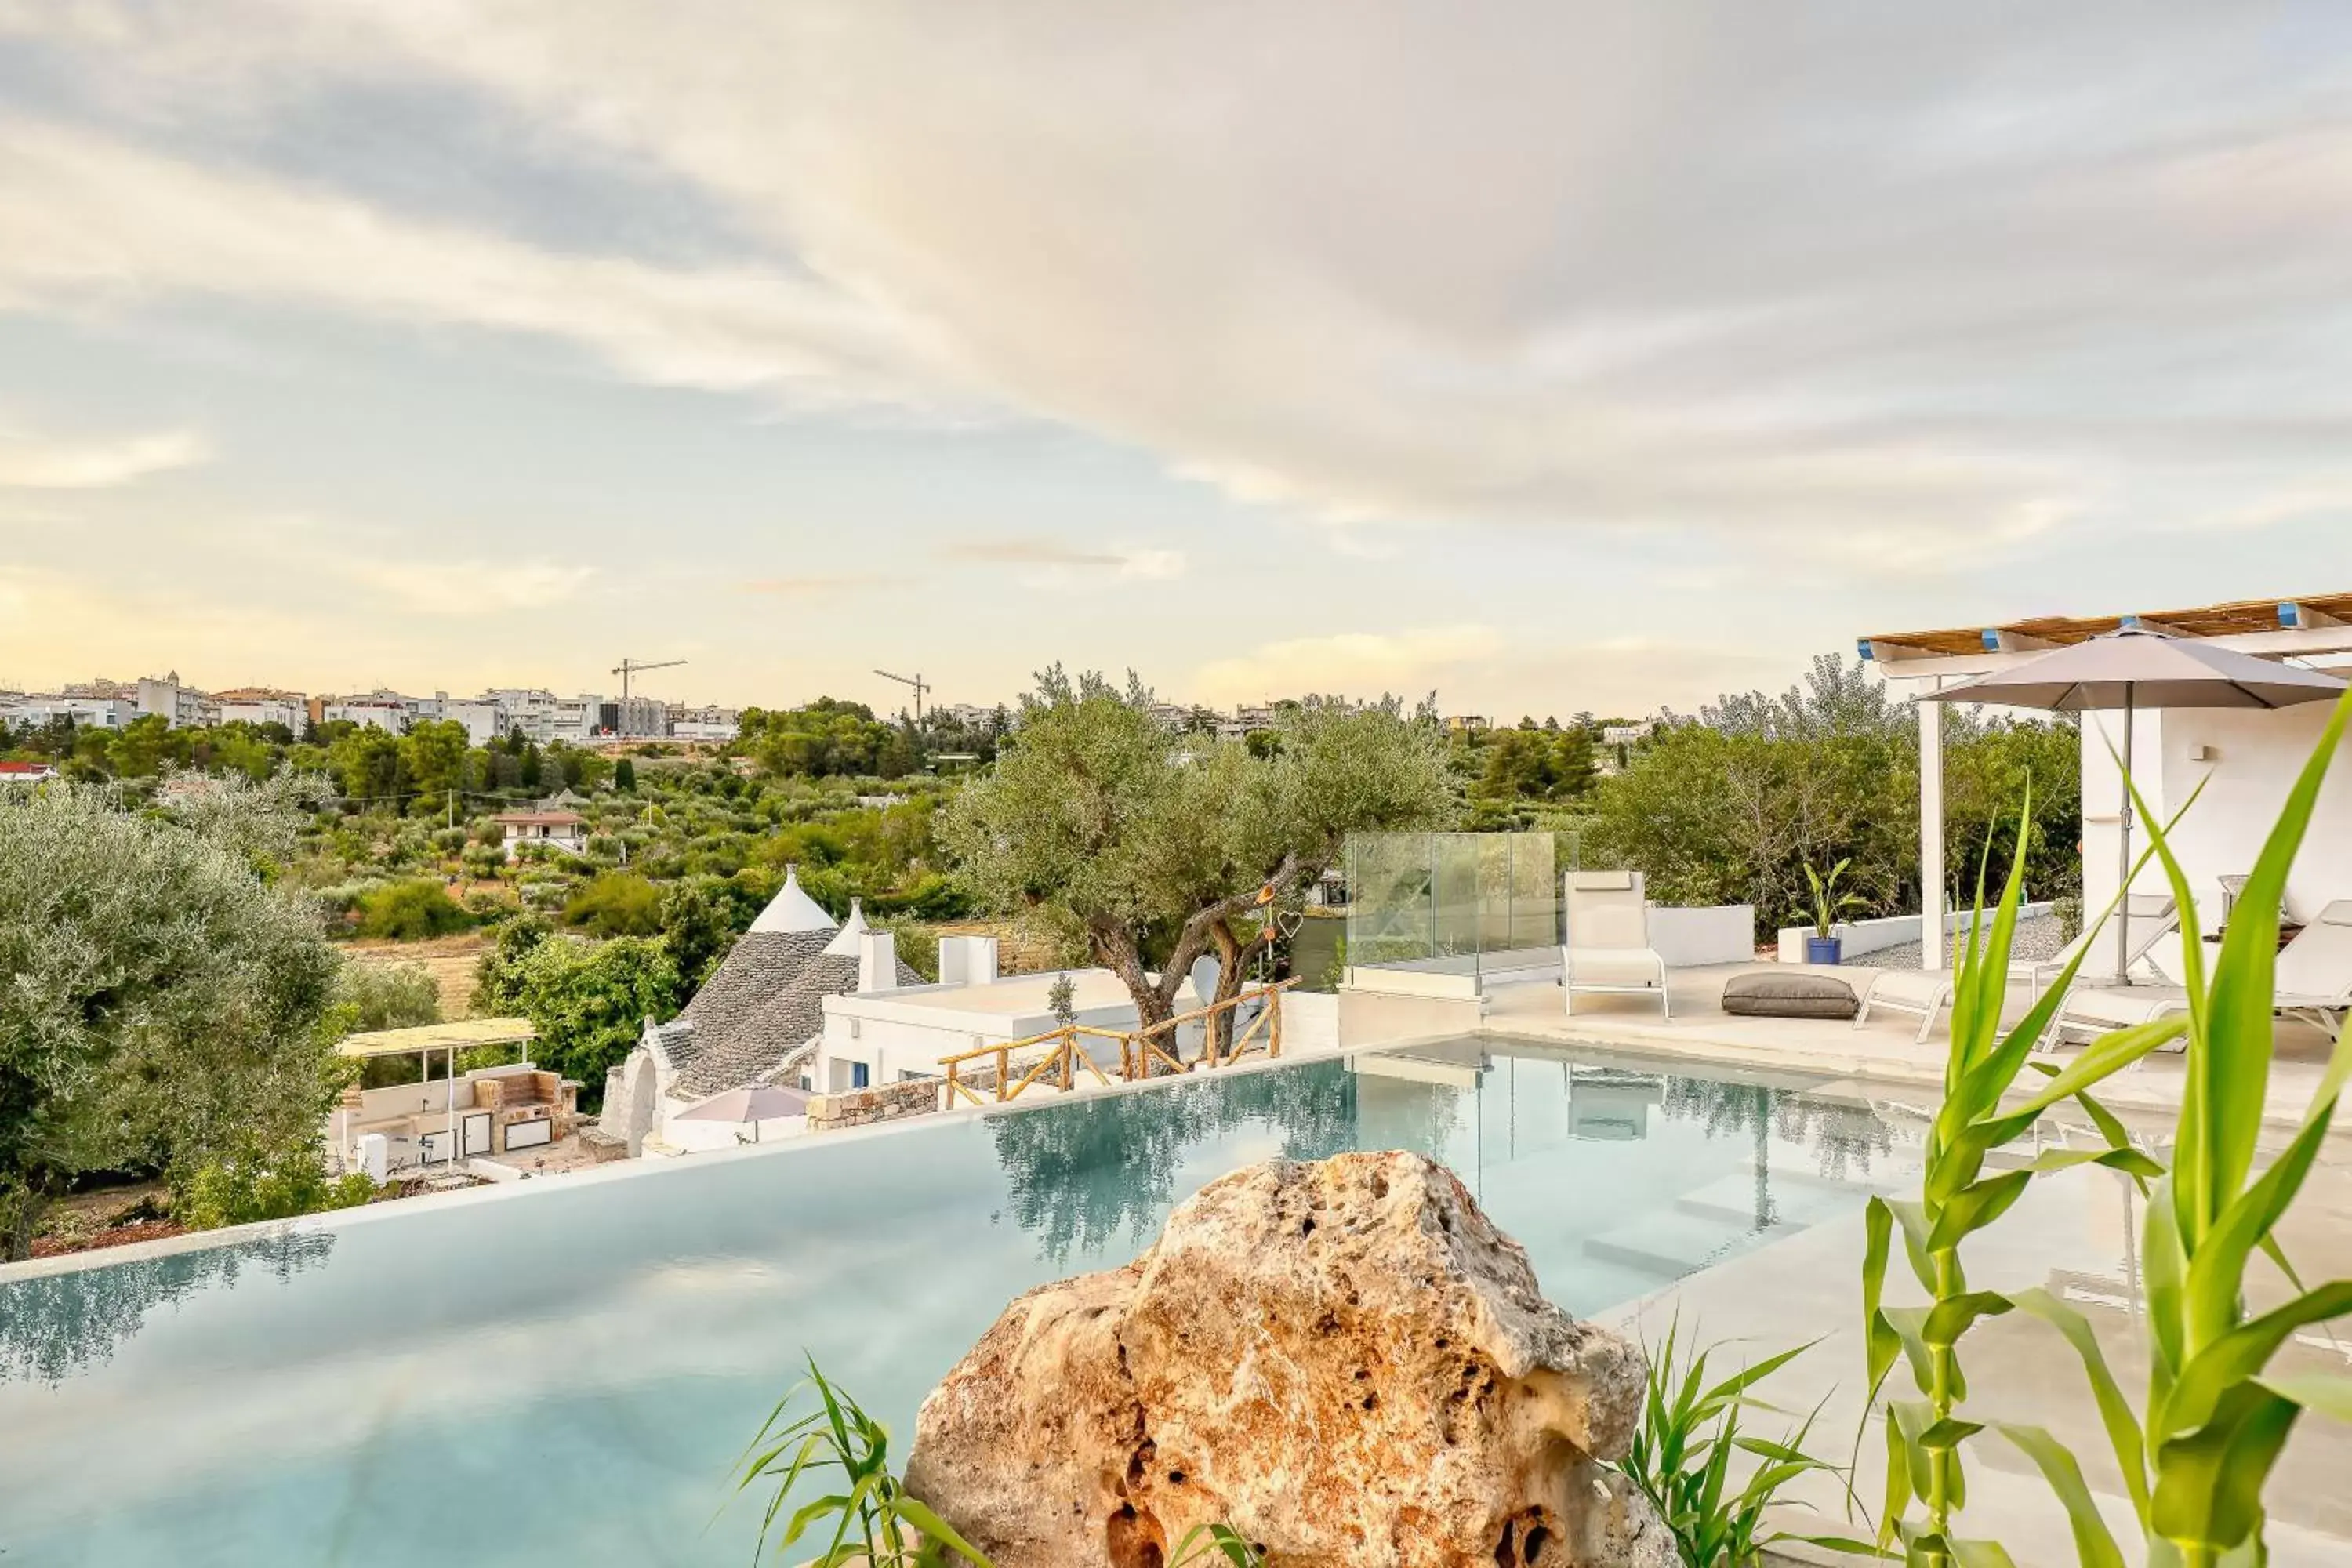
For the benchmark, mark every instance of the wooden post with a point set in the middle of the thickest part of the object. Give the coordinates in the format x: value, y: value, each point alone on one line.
x: 1003, y: 1069
x: 1273, y: 1025
x: 1069, y: 1044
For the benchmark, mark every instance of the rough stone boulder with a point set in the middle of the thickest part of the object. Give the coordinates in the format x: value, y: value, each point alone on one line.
x: 1344, y: 1362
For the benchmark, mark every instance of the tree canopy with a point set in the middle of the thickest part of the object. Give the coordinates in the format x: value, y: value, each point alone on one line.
x: 162, y: 1004
x: 1732, y: 806
x: 1150, y: 848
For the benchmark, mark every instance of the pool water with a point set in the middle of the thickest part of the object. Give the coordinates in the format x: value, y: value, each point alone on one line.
x: 565, y: 1371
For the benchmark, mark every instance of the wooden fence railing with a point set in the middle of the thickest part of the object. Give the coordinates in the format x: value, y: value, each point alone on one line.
x: 1059, y: 1057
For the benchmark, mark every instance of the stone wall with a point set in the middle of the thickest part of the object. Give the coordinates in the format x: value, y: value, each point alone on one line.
x: 856, y: 1106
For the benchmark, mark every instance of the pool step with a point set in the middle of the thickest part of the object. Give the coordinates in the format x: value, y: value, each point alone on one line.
x: 1672, y: 1244
x: 1732, y: 1200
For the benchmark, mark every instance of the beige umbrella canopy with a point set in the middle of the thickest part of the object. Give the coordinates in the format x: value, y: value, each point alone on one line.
x: 758, y: 1103
x: 2134, y: 669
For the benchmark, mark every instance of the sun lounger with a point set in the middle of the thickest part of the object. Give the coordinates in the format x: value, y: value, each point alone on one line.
x: 1927, y: 992
x: 2314, y: 982
x: 1608, y: 947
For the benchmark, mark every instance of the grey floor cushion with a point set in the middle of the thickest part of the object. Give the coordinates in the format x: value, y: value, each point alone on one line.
x: 1768, y: 994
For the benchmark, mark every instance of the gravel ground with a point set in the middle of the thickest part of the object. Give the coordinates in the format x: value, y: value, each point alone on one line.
x: 2036, y: 939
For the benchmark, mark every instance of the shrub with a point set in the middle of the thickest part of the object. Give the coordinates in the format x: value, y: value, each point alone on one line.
x: 342, y: 897
x: 587, y: 999
x: 252, y: 1184
x: 488, y: 909
x: 410, y: 911
x: 386, y: 996
x: 2068, y: 912
x: 615, y: 903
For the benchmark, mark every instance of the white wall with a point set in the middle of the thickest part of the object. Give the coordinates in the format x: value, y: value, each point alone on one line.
x: 2256, y: 757
x: 1686, y: 939
x: 1859, y: 937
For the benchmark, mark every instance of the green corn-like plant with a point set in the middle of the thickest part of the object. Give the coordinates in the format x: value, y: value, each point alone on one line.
x: 1682, y: 1454
x: 2196, y: 1457
x: 875, y: 1524
x: 1959, y: 1197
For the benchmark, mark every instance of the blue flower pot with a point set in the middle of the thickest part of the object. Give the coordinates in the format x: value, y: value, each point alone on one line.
x: 1824, y: 950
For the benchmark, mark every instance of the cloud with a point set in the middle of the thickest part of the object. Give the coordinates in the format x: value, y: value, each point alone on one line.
x: 1923, y: 294
x: 86, y: 223
x: 1350, y: 663
x: 29, y: 463
x: 1145, y: 563
x: 817, y: 586
x: 464, y: 588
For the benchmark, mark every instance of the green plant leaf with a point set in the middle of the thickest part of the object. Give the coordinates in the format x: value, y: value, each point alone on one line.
x: 2321, y: 1393
x: 2122, y: 1429
x: 2206, y: 1383
x: 2094, y: 1544
x: 2208, y: 1487
x: 1976, y: 1207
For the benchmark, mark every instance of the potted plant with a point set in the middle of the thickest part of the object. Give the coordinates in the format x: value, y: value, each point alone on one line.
x: 1825, y: 946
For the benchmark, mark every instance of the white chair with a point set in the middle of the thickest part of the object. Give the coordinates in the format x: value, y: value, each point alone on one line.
x: 1927, y: 992
x: 1608, y: 948
x: 2314, y: 982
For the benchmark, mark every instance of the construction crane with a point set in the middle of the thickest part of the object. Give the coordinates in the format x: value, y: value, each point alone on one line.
x: 916, y: 681
x: 629, y: 666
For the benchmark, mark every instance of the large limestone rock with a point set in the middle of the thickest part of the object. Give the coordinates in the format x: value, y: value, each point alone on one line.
x: 1345, y: 1361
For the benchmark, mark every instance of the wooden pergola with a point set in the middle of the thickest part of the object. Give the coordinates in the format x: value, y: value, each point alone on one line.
x: 424, y: 1039
x: 2314, y: 626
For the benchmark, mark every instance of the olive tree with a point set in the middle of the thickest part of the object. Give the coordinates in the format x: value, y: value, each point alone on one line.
x: 160, y: 1002
x: 1156, y: 847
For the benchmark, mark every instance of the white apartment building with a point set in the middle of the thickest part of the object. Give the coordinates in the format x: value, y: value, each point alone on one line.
x: 543, y: 716
x: 710, y: 722
x: 86, y: 712
x: 485, y: 718
x: 261, y: 705
x: 968, y: 715
x: 180, y: 707
x: 382, y: 709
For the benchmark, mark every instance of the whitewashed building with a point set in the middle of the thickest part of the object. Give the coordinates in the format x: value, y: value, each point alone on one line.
x: 2244, y: 760
x: 753, y: 1022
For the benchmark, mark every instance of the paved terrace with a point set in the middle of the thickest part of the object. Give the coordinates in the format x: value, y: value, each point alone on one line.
x: 1882, y: 1054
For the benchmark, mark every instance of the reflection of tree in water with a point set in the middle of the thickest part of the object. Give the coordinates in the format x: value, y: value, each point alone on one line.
x: 1080, y: 1173
x: 53, y: 1326
x: 1844, y: 1138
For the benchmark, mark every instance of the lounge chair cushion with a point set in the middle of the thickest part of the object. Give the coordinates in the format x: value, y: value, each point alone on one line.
x: 1613, y: 966
x: 1768, y: 994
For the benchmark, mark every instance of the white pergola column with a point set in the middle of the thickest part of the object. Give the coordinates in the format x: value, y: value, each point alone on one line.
x: 1931, y: 834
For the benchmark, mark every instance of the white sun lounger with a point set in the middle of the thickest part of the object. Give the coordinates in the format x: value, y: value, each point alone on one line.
x: 2314, y: 982
x: 1608, y: 947
x: 1927, y: 992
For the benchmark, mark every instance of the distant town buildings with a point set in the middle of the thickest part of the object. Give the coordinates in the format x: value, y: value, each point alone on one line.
x: 540, y: 715
x: 536, y: 712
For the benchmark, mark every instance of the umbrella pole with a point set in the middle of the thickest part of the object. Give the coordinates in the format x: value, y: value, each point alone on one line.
x: 2124, y: 866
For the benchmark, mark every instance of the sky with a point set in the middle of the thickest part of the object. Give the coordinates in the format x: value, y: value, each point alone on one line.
x: 1552, y: 356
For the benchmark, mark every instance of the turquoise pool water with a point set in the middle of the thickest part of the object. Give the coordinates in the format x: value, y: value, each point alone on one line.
x: 563, y: 1373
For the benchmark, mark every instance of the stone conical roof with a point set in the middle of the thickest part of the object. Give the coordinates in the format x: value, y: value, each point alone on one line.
x: 844, y: 941
x: 792, y: 910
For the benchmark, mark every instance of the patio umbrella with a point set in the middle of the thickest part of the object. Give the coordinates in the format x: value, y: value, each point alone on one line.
x: 2132, y: 668
x: 760, y: 1102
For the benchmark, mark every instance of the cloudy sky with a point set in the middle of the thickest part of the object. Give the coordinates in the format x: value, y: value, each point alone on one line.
x: 1554, y: 356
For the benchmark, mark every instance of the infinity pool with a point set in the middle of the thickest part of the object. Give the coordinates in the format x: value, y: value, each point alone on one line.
x: 563, y: 1372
